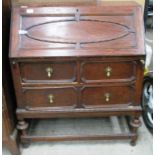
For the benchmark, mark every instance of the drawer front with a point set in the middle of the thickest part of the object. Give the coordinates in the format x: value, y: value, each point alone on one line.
x: 107, y: 95
x: 50, y: 98
x: 100, y: 71
x: 48, y: 72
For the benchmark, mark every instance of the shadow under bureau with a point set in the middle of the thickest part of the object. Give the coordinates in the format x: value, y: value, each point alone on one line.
x: 78, y: 61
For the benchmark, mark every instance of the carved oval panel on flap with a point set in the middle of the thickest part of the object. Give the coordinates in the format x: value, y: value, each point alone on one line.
x: 73, y: 32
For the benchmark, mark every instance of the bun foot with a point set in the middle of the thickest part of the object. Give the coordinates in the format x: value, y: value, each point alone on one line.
x: 133, y: 143
x: 25, y: 144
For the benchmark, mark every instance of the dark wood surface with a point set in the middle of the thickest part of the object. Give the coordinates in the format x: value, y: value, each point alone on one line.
x: 9, y: 133
x: 108, y: 28
x: 78, y: 61
x: 6, y: 71
x: 96, y: 95
x: 95, y: 71
x: 38, y: 72
x: 61, y: 97
x: 52, y: 2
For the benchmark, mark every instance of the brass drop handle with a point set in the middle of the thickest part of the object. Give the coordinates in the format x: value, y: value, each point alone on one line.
x: 107, y: 97
x: 51, y: 98
x: 49, y: 71
x: 108, y: 71
x: 142, y: 61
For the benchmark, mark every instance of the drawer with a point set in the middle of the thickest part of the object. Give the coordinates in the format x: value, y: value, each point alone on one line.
x: 107, y: 95
x: 100, y: 71
x: 50, y: 98
x: 38, y: 72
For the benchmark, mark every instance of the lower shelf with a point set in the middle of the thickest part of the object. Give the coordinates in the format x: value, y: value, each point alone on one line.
x: 78, y: 129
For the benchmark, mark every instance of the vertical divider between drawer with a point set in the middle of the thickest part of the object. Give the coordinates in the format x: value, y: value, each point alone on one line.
x: 78, y: 87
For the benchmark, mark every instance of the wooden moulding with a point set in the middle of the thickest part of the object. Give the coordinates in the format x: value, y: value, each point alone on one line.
x: 46, y: 113
x: 78, y: 137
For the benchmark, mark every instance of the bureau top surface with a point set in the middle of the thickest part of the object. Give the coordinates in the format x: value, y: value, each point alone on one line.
x: 104, y: 29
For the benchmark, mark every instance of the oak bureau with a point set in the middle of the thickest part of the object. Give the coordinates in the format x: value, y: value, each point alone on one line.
x: 78, y: 61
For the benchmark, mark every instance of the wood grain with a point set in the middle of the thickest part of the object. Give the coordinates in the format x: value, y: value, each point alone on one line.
x: 79, y: 43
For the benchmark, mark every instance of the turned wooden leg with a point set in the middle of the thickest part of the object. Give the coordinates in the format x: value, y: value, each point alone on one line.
x: 135, y: 124
x: 22, y: 126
